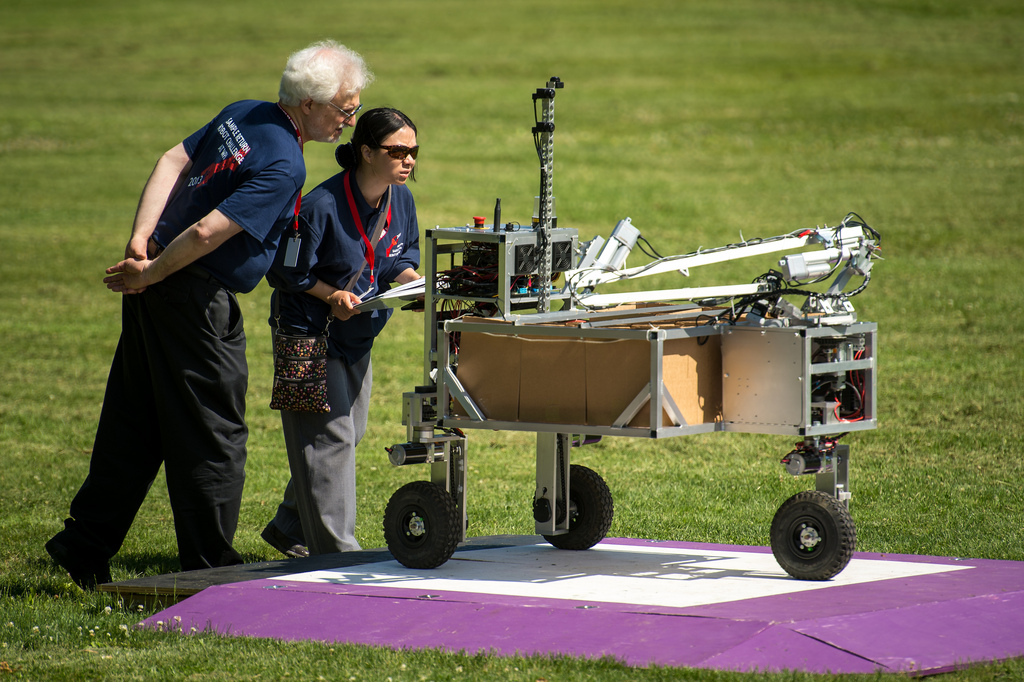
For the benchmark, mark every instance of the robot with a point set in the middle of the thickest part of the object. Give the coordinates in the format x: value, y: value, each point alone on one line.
x: 512, y: 313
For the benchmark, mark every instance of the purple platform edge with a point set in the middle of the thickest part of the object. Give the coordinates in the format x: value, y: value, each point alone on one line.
x: 920, y: 625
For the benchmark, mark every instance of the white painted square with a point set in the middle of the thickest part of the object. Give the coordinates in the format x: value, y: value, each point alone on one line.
x: 655, y: 575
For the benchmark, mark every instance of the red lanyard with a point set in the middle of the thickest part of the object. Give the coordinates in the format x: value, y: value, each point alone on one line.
x: 298, y: 136
x: 354, y: 210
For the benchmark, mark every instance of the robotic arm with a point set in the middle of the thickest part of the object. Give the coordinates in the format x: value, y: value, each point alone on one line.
x: 848, y: 251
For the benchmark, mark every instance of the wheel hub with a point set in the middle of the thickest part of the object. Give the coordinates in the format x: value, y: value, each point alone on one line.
x: 809, y: 537
x: 415, y: 526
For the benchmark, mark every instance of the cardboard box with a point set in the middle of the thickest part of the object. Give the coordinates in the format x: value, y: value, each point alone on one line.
x: 489, y: 371
x: 585, y: 381
x: 618, y: 370
x: 552, y: 381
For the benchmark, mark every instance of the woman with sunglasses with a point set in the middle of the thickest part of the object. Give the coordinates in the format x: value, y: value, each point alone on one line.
x: 325, y: 274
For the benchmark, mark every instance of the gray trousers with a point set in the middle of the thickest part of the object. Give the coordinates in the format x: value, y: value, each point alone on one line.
x: 319, y: 506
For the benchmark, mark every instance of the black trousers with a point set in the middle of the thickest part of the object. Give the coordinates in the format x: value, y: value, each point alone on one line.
x: 175, y: 396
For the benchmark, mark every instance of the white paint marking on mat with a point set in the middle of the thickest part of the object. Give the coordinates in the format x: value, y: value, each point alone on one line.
x: 624, y: 574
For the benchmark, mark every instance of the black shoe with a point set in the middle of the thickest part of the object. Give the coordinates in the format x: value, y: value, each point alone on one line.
x: 87, y: 576
x: 279, y: 541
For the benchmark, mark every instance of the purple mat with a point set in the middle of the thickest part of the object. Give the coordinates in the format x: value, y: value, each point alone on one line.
x: 642, y: 603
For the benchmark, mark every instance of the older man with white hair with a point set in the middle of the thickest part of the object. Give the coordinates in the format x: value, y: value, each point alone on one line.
x: 207, y: 227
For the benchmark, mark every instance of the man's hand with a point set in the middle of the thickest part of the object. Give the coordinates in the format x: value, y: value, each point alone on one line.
x: 137, y: 248
x: 128, y: 276
x: 134, y: 274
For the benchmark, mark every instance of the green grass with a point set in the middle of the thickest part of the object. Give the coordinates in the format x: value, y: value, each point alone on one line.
x: 700, y: 121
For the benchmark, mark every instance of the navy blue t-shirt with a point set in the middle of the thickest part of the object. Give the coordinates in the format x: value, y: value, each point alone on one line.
x: 247, y: 163
x: 333, y: 250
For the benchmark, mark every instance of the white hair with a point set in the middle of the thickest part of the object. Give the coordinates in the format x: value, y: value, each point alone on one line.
x: 321, y: 71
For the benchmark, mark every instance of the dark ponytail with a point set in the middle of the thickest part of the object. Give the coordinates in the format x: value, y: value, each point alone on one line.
x: 345, y: 154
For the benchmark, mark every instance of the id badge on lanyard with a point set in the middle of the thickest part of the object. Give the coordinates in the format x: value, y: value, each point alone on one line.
x: 291, y: 248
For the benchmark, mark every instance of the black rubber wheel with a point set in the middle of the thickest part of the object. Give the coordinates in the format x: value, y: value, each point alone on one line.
x: 421, y: 525
x: 590, y: 510
x: 813, y: 536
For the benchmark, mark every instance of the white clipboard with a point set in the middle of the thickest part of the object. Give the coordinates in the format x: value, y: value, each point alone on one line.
x: 395, y: 297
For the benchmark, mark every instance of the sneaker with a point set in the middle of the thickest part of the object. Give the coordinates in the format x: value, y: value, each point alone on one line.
x: 85, y: 575
x: 279, y: 541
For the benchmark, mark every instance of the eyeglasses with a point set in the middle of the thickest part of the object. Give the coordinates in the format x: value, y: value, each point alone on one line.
x: 398, y: 152
x: 347, y: 114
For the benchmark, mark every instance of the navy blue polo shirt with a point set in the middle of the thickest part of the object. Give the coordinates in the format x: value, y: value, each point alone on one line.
x: 248, y: 164
x: 333, y: 250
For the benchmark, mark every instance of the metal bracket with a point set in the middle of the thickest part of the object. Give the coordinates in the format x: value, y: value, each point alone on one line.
x: 837, y: 481
x: 644, y: 397
x: 551, y: 500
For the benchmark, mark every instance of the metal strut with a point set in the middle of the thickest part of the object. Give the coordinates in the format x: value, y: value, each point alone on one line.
x: 544, y: 133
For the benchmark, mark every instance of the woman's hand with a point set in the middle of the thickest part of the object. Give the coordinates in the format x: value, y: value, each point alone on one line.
x: 343, y: 304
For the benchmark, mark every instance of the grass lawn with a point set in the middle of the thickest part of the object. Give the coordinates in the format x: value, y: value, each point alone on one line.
x: 702, y: 122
